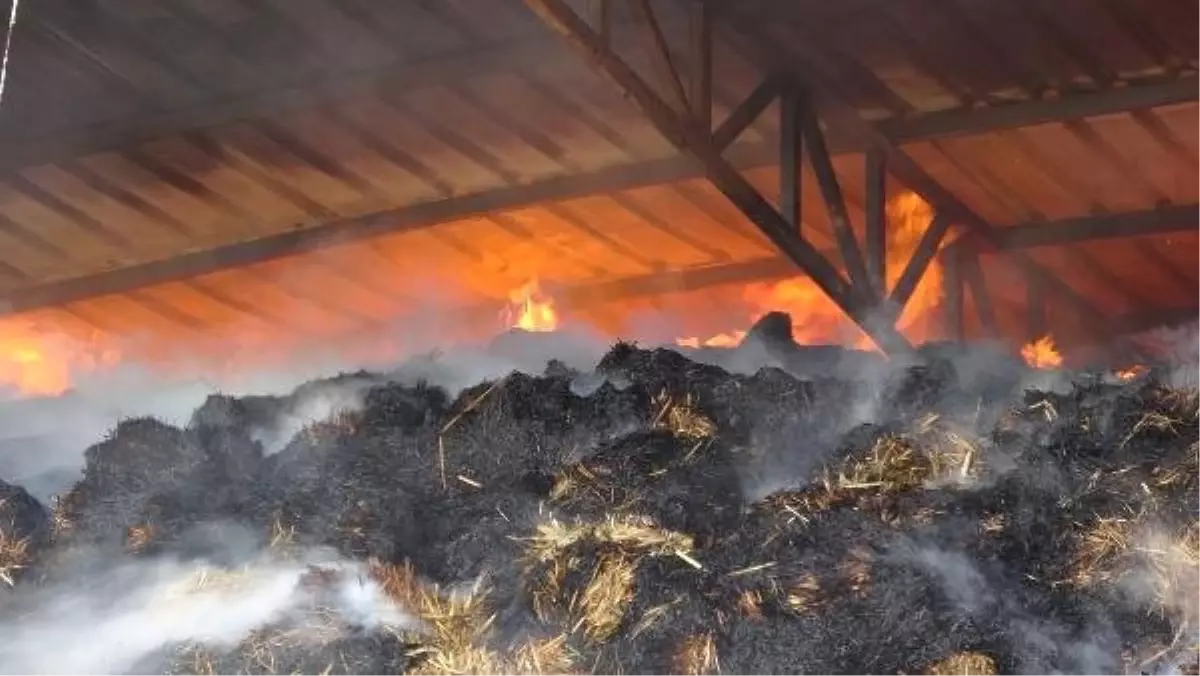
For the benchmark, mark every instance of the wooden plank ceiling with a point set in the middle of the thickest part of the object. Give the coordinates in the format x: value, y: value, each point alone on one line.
x: 136, y: 132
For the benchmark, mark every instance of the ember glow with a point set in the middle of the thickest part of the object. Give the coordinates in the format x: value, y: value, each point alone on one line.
x: 1042, y: 353
x: 731, y: 339
x: 1131, y: 372
x: 530, y: 309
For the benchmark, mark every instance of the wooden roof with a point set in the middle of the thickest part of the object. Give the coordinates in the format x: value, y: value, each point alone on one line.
x: 181, y: 168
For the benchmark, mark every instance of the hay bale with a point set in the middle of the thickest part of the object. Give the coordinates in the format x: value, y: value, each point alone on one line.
x: 25, y: 532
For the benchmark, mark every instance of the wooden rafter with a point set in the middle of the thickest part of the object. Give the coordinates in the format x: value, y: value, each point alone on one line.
x: 972, y: 275
x: 821, y: 162
x: 1182, y: 218
x: 746, y: 113
x: 927, y: 248
x: 791, y: 154
x: 662, y: 53
x: 702, y: 63
x: 953, y: 285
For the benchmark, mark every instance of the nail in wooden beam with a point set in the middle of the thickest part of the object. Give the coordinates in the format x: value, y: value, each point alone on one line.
x: 875, y: 245
x: 790, y: 152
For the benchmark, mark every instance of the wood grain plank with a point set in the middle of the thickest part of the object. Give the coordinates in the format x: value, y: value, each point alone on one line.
x: 631, y: 232
x: 252, y: 148
x: 304, y: 278
x: 548, y: 227
x: 272, y: 212
x: 353, y: 155
x: 441, y: 107
x: 206, y: 221
x: 450, y: 167
x: 146, y: 238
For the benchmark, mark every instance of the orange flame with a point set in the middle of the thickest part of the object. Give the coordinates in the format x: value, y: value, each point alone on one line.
x: 34, y: 362
x: 1042, y: 354
x: 816, y: 319
x: 1131, y: 372
x: 530, y: 309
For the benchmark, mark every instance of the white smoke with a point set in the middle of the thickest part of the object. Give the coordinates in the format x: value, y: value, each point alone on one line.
x: 108, y: 624
x: 42, y: 440
x: 1043, y: 642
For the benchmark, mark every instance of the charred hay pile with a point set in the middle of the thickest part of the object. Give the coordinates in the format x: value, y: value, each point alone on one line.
x: 659, y: 515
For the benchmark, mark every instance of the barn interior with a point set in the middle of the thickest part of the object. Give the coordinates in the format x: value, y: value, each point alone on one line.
x: 965, y: 231
x: 226, y: 183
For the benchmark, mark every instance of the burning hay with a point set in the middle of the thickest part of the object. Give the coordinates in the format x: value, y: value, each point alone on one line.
x: 753, y: 524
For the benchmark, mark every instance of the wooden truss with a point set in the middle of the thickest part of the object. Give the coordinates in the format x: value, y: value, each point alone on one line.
x: 685, y: 120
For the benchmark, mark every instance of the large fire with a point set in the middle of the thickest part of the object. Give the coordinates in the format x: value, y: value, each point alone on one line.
x: 37, y: 361
x: 817, y: 320
x: 530, y: 309
x: 1042, y: 353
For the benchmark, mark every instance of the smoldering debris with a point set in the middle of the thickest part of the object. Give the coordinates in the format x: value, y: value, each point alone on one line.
x: 675, y: 517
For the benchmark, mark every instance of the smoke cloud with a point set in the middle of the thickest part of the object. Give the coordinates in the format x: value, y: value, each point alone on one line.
x: 121, y: 614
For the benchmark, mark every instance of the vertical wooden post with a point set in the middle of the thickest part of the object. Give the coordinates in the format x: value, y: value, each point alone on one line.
x: 702, y: 64
x: 603, y: 12
x: 835, y: 203
x: 790, y: 150
x: 972, y: 272
x: 952, y: 268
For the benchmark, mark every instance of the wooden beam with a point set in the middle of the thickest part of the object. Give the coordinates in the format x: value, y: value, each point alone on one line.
x: 746, y: 113
x: 926, y: 249
x: 702, y: 63
x: 975, y: 120
x: 875, y: 244
x: 845, y: 120
x: 835, y: 203
x: 790, y: 156
x: 603, y: 10
x: 696, y: 142
x: 1182, y: 218
x: 662, y: 53
x: 341, y: 231
x: 678, y: 281
x: 953, y: 285
x: 972, y: 274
